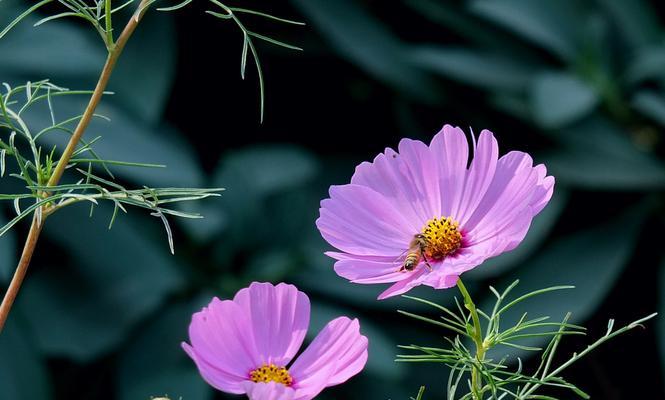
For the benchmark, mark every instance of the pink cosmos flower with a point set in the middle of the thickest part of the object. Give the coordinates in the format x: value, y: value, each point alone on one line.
x: 245, y: 345
x: 426, y: 214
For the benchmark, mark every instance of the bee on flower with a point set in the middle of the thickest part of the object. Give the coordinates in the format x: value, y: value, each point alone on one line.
x: 434, y: 209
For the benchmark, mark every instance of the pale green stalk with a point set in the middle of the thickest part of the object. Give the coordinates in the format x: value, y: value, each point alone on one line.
x: 477, y: 336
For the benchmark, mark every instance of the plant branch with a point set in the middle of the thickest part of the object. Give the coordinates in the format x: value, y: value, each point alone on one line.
x: 576, y: 356
x: 37, y: 223
x: 477, y: 335
x: 21, y: 269
x: 113, y: 56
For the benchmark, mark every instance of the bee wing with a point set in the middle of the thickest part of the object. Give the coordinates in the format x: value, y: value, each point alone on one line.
x: 399, y: 260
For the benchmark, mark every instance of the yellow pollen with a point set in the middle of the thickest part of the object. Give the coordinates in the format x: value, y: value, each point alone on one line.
x: 443, y: 237
x: 271, y: 373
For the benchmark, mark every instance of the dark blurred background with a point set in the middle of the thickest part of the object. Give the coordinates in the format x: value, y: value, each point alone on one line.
x: 578, y: 84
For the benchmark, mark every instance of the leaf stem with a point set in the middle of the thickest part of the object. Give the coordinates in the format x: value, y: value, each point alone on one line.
x: 37, y: 222
x: 477, y: 335
x: 108, y: 23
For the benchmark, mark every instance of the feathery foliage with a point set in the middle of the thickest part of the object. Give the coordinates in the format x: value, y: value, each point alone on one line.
x: 499, y: 379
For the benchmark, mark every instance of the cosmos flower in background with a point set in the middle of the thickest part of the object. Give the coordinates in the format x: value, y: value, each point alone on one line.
x: 425, y: 214
x: 245, y: 345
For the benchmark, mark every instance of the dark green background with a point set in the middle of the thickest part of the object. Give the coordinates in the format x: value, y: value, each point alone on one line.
x: 579, y: 84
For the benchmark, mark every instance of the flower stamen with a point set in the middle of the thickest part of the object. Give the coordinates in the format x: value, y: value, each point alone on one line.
x: 443, y: 237
x: 271, y: 373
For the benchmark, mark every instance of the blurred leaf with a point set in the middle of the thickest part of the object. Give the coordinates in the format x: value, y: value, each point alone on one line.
x: 636, y: 18
x: 516, y: 105
x: 23, y: 374
x: 559, y: 98
x: 214, y: 219
x: 268, y: 168
x: 539, y: 231
x: 118, y: 278
x: 598, y: 155
x: 129, y: 140
x: 468, y: 26
x: 591, y: 260
x: 8, y: 254
x: 363, y: 40
x: 471, y: 67
x: 144, y: 74
x: 270, y: 266
x: 37, y: 53
x: 153, y: 363
x: 256, y: 178
x: 382, y: 348
x: 552, y: 25
x: 650, y: 104
x: 648, y: 63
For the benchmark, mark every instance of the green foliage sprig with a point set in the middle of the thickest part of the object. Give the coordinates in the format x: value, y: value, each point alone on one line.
x: 99, y: 13
x: 36, y: 170
x: 496, y: 379
x: 42, y: 172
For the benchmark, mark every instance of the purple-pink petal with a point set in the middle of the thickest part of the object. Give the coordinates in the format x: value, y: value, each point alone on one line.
x: 544, y: 190
x: 508, y: 196
x: 411, y: 280
x: 452, y: 149
x: 222, y: 345
x: 479, y: 177
x: 358, y: 220
x: 367, y: 269
x: 218, y: 378
x: 268, y: 391
x: 389, y: 175
x: 337, y: 353
x: 279, y: 318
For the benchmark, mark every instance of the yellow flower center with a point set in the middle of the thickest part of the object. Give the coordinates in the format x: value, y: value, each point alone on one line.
x: 271, y: 373
x: 443, y: 237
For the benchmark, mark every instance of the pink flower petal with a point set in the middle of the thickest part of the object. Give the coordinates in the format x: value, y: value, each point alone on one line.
x: 506, y: 199
x: 367, y: 269
x: 360, y: 221
x: 411, y: 280
x: 392, y: 175
x: 445, y: 273
x: 452, y: 149
x: 222, y: 345
x: 441, y: 281
x: 479, y: 176
x: 268, y: 391
x: 340, y: 346
x: 513, y: 234
x: 419, y: 168
x: 216, y: 377
x: 279, y: 318
x: 544, y: 190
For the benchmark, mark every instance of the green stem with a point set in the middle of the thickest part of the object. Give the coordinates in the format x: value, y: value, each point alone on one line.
x: 476, y: 379
x: 109, y: 24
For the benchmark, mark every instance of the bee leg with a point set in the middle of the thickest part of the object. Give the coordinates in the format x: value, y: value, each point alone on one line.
x: 429, y: 267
